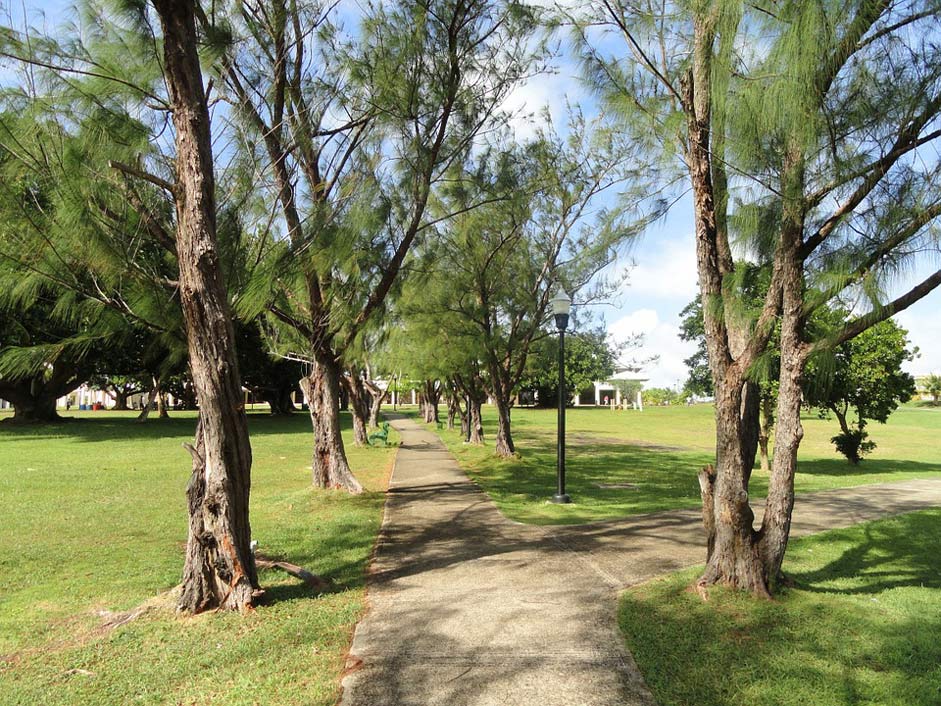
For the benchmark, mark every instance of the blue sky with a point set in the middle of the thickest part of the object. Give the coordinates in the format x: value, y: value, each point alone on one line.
x: 663, y: 276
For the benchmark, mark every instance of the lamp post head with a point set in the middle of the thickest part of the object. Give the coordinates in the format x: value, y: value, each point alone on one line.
x: 561, y: 306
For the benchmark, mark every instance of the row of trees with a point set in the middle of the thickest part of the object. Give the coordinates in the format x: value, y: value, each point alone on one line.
x: 345, y: 167
x: 365, y: 194
x: 330, y: 151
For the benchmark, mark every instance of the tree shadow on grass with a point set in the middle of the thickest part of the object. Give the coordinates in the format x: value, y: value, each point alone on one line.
x: 336, y: 550
x: 861, y: 628
x: 898, y: 552
x: 606, y: 478
x: 111, y: 426
x: 634, y: 479
x: 839, y: 467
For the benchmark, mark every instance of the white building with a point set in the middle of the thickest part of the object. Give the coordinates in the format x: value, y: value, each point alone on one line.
x: 606, y: 391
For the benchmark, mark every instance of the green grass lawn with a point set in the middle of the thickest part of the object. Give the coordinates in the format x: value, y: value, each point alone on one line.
x: 94, y: 519
x: 861, y: 626
x: 659, y: 452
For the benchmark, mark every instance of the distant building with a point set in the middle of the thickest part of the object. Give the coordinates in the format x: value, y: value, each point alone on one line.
x: 601, y: 391
x: 921, y: 389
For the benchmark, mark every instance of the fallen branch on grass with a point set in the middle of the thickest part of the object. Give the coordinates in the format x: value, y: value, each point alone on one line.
x: 300, y: 572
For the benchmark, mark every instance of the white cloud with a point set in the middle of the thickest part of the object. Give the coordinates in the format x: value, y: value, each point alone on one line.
x: 527, y: 100
x: 666, y: 269
x: 661, y: 338
x: 924, y: 331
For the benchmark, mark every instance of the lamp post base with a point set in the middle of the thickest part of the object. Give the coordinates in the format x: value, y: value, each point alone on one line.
x: 561, y: 499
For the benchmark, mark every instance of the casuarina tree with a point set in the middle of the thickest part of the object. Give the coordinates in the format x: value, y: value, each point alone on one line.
x: 544, y: 225
x: 353, y: 135
x: 820, y: 122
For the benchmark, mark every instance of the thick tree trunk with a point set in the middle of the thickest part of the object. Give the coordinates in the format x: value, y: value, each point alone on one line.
x: 503, y: 445
x: 734, y: 559
x: 764, y: 436
x: 38, y: 409
x: 329, y: 466
x: 476, y: 422
x: 776, y: 524
x: 454, y: 407
x: 279, y: 400
x: 359, y: 405
x: 34, y: 399
x: 731, y: 541
x: 707, y: 490
x: 430, y: 396
x: 375, y: 406
x: 360, y: 438
x: 162, y: 411
x: 219, y: 569
x: 120, y: 400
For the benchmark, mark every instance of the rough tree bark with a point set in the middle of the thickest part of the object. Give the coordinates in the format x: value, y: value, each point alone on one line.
x: 430, y: 397
x: 500, y: 392
x: 503, y: 443
x: 376, y: 397
x: 743, y: 557
x: 476, y: 422
x: 220, y: 570
x: 329, y: 466
x: 454, y: 408
x: 162, y: 405
x: 776, y: 523
x: 734, y: 557
x: 359, y: 405
x: 764, y: 434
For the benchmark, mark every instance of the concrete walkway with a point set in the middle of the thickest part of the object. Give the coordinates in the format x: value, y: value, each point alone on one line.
x: 467, y: 607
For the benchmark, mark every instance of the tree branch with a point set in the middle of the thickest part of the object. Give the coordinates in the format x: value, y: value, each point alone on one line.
x: 145, y: 175
x: 858, y: 325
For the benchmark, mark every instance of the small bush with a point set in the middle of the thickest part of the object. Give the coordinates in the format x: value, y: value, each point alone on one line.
x: 853, y: 445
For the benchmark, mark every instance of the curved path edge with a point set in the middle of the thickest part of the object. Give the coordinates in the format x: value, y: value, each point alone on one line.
x: 466, y: 607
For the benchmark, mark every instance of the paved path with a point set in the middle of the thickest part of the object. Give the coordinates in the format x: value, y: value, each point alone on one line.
x: 467, y: 607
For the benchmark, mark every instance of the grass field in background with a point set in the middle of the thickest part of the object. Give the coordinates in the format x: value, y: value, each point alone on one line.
x: 94, y: 519
x: 657, y: 454
x: 860, y: 626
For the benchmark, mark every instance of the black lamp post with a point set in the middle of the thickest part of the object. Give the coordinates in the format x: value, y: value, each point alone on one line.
x: 561, y: 306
